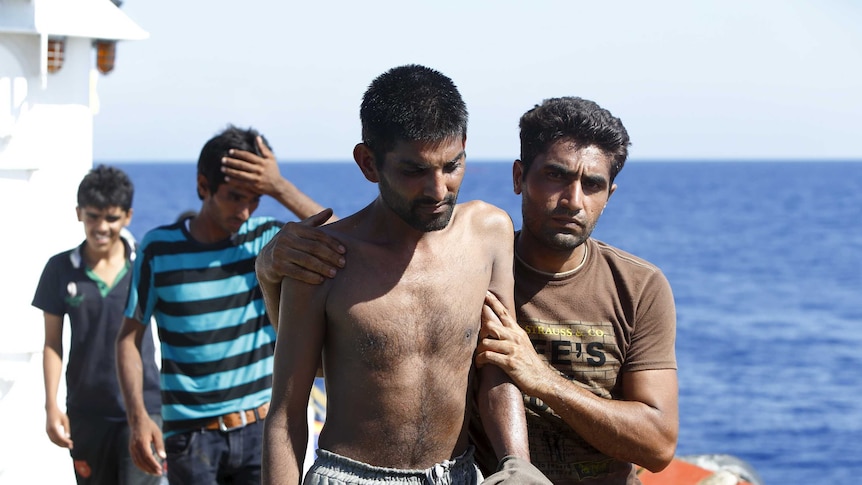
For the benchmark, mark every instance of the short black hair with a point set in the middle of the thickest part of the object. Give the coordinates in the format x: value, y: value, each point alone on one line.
x: 410, y: 103
x: 216, y: 148
x: 105, y: 187
x: 577, y: 119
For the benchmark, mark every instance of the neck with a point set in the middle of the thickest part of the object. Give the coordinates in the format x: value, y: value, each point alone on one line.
x: 94, y: 257
x: 204, y: 231
x: 388, y: 227
x: 549, y: 260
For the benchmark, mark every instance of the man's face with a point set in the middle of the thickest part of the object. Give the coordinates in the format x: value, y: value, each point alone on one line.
x: 230, y: 206
x: 420, y: 181
x: 564, y: 193
x: 102, y: 226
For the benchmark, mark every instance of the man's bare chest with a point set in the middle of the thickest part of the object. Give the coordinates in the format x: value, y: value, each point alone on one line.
x: 425, y: 309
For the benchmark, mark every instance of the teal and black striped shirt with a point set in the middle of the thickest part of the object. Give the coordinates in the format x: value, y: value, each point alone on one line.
x: 216, y: 340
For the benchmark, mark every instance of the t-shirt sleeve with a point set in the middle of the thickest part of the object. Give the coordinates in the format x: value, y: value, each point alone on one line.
x: 654, y: 338
x: 141, y: 300
x: 48, y: 297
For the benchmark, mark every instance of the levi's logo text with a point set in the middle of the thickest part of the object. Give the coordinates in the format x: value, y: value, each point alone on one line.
x: 584, y: 352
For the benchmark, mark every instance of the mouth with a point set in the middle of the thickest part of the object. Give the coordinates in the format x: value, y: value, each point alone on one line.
x: 568, y: 221
x: 435, y: 208
x: 101, y: 238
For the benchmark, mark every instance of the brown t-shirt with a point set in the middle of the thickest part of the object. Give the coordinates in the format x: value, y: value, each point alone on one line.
x: 613, y: 314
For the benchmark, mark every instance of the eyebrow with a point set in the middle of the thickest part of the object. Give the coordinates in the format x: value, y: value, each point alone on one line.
x: 410, y: 161
x: 561, y: 169
x: 96, y: 215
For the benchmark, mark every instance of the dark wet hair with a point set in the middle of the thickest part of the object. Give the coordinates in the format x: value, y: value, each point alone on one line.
x: 209, y: 161
x: 581, y: 120
x: 410, y: 103
x: 105, y: 187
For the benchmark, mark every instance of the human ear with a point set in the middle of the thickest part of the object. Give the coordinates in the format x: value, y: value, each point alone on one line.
x: 517, y: 176
x: 365, y: 160
x: 203, y: 187
x: 128, y: 217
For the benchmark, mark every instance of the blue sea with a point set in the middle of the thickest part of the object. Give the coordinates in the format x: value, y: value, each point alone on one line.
x: 765, y: 259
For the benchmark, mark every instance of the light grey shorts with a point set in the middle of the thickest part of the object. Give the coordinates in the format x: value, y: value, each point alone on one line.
x: 333, y: 469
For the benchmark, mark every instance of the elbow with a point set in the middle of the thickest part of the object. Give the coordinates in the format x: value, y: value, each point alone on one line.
x: 660, y: 461
x: 660, y: 457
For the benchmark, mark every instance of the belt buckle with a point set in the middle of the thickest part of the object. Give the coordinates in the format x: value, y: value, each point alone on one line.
x: 223, y: 427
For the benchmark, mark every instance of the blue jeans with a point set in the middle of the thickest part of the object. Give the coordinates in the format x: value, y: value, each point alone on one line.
x: 204, y: 457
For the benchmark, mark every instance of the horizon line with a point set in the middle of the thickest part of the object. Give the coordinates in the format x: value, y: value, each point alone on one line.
x: 488, y: 160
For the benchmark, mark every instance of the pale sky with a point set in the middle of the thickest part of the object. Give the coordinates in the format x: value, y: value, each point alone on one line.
x: 710, y: 79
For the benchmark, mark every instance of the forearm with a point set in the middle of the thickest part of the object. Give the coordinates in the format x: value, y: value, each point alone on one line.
x: 52, y: 368
x: 627, y: 430
x: 284, y: 444
x: 131, y: 374
x: 296, y: 201
x: 501, y: 408
x: 269, y: 288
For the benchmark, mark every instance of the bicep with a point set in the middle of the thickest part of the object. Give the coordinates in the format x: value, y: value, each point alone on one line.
x: 657, y: 389
x: 53, y: 329
x: 500, y: 234
x: 301, y: 330
x: 131, y: 332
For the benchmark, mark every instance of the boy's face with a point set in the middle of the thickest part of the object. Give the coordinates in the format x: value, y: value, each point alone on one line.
x: 228, y: 207
x: 102, y: 226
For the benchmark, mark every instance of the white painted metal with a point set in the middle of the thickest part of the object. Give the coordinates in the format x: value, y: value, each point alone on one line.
x: 46, y: 147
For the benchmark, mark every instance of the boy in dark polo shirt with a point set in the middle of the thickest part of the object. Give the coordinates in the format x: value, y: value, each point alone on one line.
x: 90, y: 284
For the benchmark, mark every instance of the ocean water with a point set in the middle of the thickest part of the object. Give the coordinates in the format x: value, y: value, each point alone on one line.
x: 765, y: 260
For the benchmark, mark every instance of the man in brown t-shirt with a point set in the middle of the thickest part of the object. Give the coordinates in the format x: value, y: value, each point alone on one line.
x: 602, y: 318
x: 592, y: 342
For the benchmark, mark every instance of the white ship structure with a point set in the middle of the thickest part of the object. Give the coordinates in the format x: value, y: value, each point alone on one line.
x: 52, y: 54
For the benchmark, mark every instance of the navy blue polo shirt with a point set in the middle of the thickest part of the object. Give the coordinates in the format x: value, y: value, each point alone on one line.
x: 95, y: 309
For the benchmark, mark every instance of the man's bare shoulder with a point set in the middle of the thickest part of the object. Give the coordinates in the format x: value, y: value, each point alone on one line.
x: 485, y: 217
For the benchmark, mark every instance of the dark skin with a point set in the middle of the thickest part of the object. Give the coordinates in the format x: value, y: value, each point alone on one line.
x: 563, y: 194
x: 398, y: 329
x: 104, y: 255
x: 248, y: 177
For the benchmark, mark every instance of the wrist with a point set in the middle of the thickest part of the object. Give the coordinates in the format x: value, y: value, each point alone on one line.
x: 137, y: 415
x: 282, y: 188
x: 545, y: 384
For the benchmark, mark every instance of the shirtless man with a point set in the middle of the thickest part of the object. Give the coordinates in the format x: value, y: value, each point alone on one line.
x: 397, y: 330
x: 591, y: 344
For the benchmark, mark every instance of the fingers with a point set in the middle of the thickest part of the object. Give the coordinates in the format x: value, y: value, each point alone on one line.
x: 491, y: 326
x: 242, y: 166
x: 142, y: 454
x: 318, y: 219
x: 301, y: 251
x: 505, y: 318
x: 496, y: 305
x: 58, y: 436
x: 493, y: 352
x: 159, y: 445
x: 58, y: 430
x: 305, y: 237
x: 307, y: 257
x: 264, y: 150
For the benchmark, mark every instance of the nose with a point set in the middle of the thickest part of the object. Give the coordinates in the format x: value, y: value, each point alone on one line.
x: 435, y: 186
x: 245, y: 212
x: 244, y: 209
x: 103, y: 225
x: 573, y: 196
